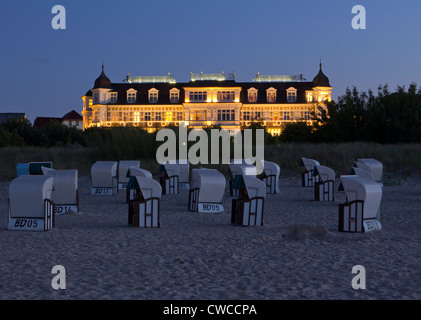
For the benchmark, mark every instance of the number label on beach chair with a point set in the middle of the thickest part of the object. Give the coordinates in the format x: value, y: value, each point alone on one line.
x: 183, y: 186
x: 372, y: 224
x: 101, y: 191
x: 210, y: 207
x: 63, y: 209
x: 27, y: 224
x: 122, y: 186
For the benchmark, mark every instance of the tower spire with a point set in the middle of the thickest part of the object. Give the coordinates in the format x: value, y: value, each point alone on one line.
x: 102, y: 64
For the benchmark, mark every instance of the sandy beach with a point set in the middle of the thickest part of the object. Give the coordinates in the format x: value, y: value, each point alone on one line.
x: 297, y: 254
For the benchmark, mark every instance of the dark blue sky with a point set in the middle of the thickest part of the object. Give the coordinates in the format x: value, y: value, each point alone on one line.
x: 45, y: 72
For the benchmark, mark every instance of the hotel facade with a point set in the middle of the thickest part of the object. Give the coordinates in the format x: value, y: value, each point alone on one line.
x: 154, y: 102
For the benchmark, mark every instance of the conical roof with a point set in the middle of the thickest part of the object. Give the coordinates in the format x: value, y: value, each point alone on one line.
x: 102, y: 81
x: 321, y: 80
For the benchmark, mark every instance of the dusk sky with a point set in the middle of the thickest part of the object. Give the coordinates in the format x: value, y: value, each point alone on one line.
x: 45, y: 72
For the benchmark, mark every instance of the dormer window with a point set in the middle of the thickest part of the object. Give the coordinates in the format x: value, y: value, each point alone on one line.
x: 153, y: 95
x: 271, y: 94
x: 174, y: 95
x: 131, y: 95
x: 292, y: 94
x: 113, y: 98
x: 252, y: 95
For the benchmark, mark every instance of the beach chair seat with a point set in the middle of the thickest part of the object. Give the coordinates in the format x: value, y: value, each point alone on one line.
x: 324, y: 185
x: 307, y: 177
x: 144, y: 209
x: 239, y: 167
x: 170, y: 180
x: 30, y: 205
x: 247, y: 209
x: 132, y: 173
x: 104, y: 178
x: 270, y: 176
x: 65, y: 194
x: 361, y: 211
x: 207, y: 189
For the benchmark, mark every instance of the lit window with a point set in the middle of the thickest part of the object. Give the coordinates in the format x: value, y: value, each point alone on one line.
x: 136, y: 116
x: 252, y: 95
x: 226, y: 95
x: 198, y: 115
x: 226, y: 115
x: 113, y: 98
x: 271, y: 95
x: 309, y: 96
x: 198, y: 96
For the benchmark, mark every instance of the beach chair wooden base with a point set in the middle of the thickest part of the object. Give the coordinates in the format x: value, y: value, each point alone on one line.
x: 271, y: 187
x: 169, y: 185
x: 144, y: 213
x: 307, y: 179
x: 351, y: 218
x: 34, y: 224
x: 247, y: 212
x: 324, y: 191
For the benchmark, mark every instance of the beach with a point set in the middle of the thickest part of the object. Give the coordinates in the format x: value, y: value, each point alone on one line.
x: 298, y: 254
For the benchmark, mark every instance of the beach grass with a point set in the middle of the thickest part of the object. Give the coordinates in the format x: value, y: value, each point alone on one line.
x: 399, y: 160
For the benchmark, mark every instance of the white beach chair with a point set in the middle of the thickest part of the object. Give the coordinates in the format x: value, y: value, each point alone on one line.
x: 104, y: 178
x: 324, y: 186
x: 170, y: 180
x: 132, y: 173
x: 184, y: 177
x: 30, y: 205
x: 123, y: 166
x: 247, y: 209
x: 361, y: 211
x: 362, y: 173
x: 207, y: 190
x: 271, y: 176
x: 237, y: 168
x: 32, y: 168
x: 373, y: 166
x: 307, y: 177
x: 65, y: 194
x: 144, y: 211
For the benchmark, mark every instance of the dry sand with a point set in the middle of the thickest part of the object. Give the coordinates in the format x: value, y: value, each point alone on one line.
x: 297, y: 254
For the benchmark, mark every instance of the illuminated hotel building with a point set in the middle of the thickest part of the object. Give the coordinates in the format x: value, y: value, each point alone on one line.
x: 154, y: 102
